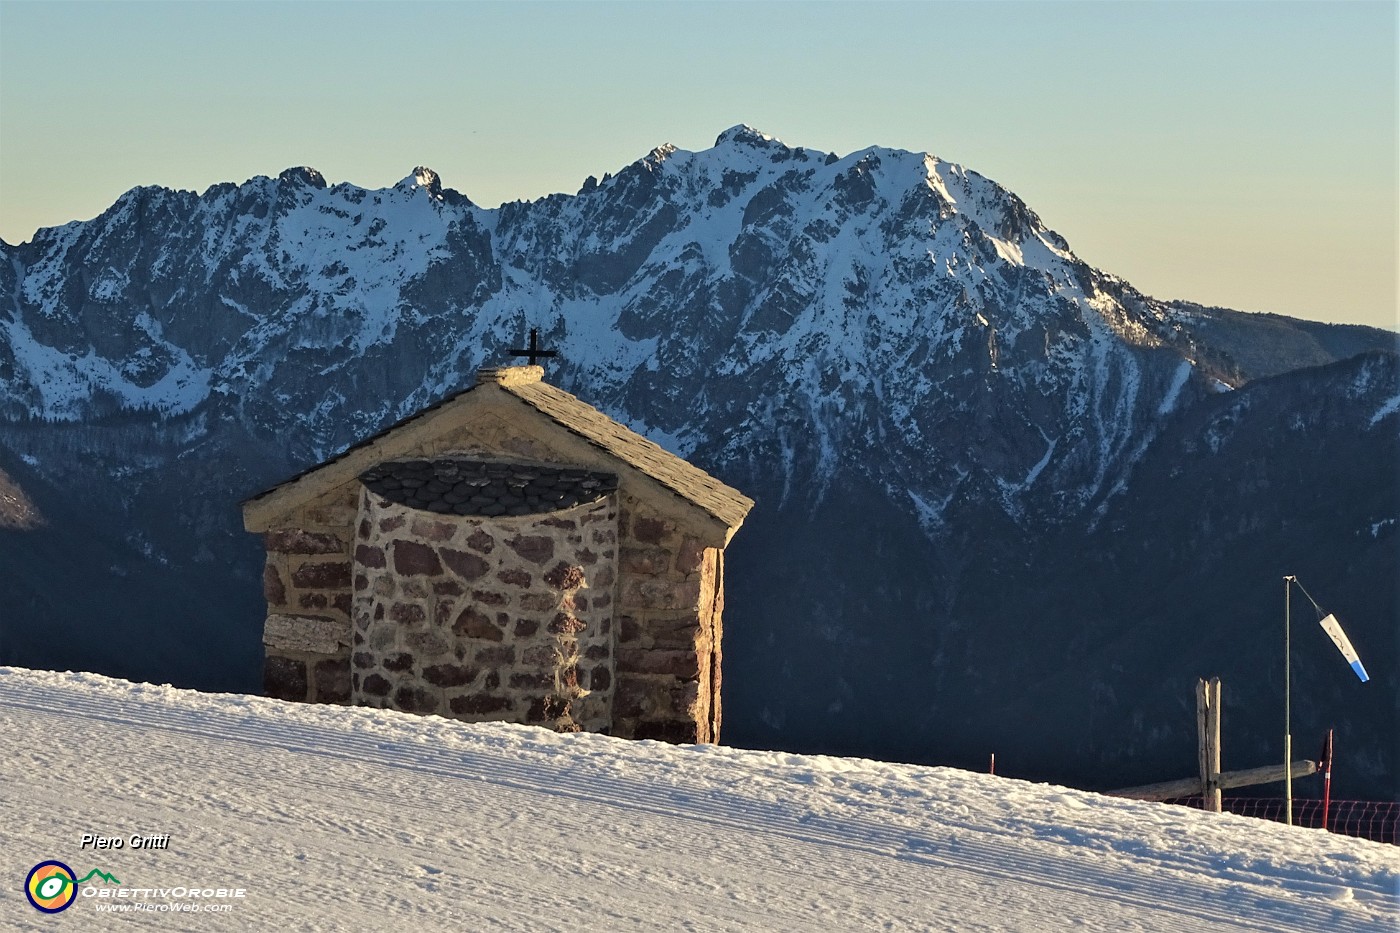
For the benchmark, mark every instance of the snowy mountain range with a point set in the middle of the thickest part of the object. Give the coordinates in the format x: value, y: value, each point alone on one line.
x: 1005, y: 501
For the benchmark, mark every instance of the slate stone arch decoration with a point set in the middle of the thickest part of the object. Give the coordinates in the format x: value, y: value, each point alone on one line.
x: 509, y: 553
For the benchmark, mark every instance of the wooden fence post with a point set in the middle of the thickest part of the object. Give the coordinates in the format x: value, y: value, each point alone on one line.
x: 1208, y: 741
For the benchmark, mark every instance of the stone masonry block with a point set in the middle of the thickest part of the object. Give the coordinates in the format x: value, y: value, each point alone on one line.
x: 680, y: 631
x: 651, y: 530
x: 537, y: 549
x: 691, y: 556
x: 376, y: 686
x: 333, y: 680
x: 467, y: 566
x: 297, y: 541
x: 685, y: 699
x: 322, y: 575
x: 639, y: 696
x: 479, y: 704
x: 472, y: 623
x: 426, y: 643
x: 284, y: 678
x: 490, y: 597
x: 540, y: 656
x: 431, y: 530
x: 682, y: 664
x: 650, y: 593
x: 496, y: 655
x: 645, y: 560
x: 413, y: 699
x: 368, y: 556
x: 401, y: 661
x: 410, y: 557
x: 313, y: 600
x: 407, y: 614
x: 514, y: 576
x: 312, y: 634
x: 537, y: 680
x: 450, y: 675
x: 630, y: 629
x: 675, y: 731
x: 538, y: 602
x: 274, y: 590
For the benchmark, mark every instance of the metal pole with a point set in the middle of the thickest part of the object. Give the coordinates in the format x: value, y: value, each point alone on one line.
x: 1287, y: 710
x: 1326, y: 777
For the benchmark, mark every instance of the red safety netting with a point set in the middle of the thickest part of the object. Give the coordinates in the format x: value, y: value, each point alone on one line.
x: 1377, y: 820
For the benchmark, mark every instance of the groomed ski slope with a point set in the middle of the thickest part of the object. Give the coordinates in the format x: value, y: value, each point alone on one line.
x: 354, y: 819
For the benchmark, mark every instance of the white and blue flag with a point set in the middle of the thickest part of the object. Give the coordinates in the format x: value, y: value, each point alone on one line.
x: 1333, y: 628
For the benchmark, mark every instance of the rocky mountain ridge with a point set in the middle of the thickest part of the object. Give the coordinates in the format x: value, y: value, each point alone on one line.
x: 885, y: 346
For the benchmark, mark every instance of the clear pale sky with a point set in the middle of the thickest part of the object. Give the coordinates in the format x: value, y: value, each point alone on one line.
x: 1239, y: 154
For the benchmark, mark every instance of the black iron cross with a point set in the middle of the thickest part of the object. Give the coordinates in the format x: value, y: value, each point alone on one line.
x: 534, y: 350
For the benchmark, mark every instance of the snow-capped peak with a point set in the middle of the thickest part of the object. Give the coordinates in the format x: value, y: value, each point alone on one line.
x: 422, y: 177
x: 743, y: 134
x: 661, y: 153
x: 303, y: 174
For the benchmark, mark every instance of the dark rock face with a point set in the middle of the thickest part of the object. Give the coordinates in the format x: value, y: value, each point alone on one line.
x: 1002, y: 503
x: 1072, y: 653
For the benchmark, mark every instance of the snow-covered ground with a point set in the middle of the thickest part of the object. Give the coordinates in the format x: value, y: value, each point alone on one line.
x: 352, y: 819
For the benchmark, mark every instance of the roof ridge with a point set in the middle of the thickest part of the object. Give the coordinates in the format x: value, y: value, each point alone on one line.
x: 721, y: 502
x: 682, y: 477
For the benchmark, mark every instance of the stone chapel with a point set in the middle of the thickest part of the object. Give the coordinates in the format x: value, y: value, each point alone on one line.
x: 511, y: 554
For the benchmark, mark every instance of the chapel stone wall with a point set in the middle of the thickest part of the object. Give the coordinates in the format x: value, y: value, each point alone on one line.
x: 505, y: 618
x: 670, y: 604
x: 306, y: 580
